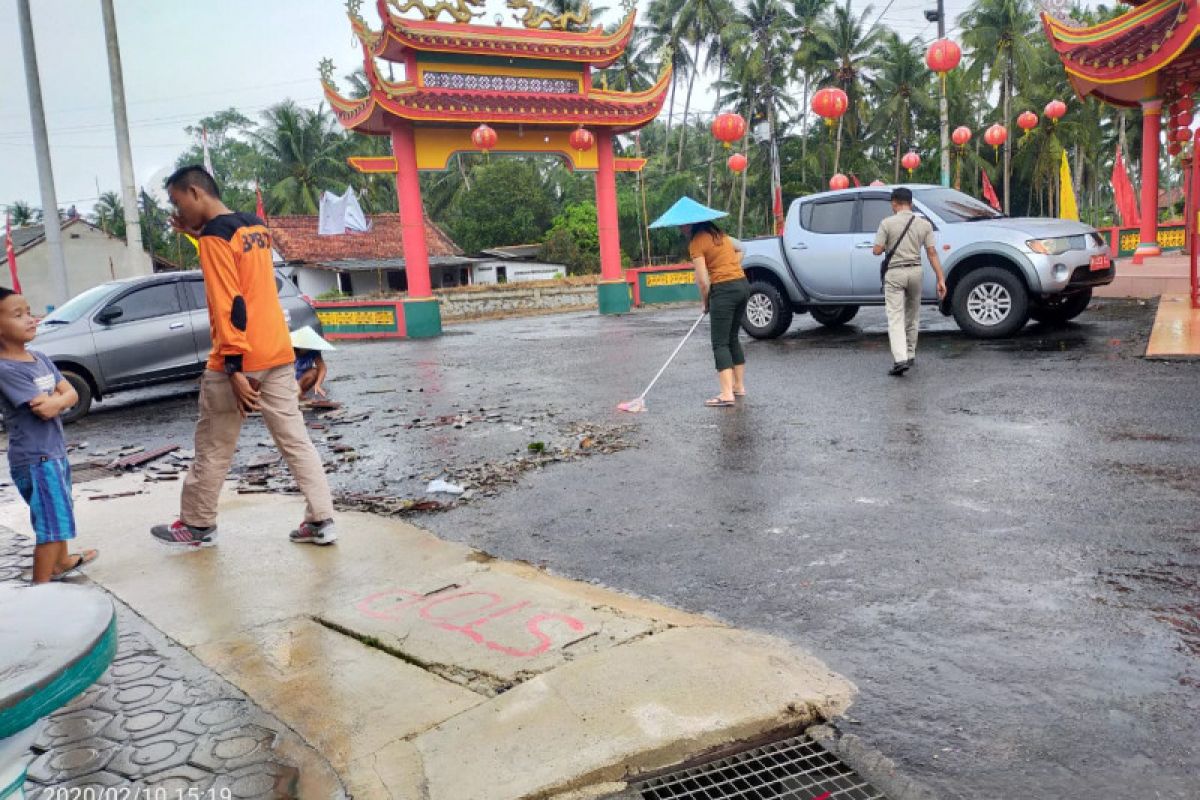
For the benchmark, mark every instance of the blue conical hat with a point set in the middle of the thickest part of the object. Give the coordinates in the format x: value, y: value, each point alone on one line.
x: 687, y: 211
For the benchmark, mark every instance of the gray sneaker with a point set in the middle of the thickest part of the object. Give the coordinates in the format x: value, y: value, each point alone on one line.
x: 321, y: 533
x: 178, y: 534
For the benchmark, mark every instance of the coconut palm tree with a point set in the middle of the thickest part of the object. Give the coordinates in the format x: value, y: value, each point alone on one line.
x: 999, y: 36
x: 667, y: 37
x: 304, y: 154
x: 23, y: 214
x: 902, y: 91
x: 701, y: 22
x: 635, y: 70
x: 805, y: 16
x: 109, y: 214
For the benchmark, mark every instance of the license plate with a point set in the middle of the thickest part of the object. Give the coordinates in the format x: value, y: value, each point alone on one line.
x: 1099, y: 263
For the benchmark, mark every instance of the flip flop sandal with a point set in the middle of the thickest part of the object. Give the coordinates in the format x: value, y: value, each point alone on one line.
x: 739, y: 394
x: 84, y: 558
x: 717, y: 402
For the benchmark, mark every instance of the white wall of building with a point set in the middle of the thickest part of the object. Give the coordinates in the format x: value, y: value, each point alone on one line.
x: 93, y: 257
x: 516, y: 271
x: 315, y: 282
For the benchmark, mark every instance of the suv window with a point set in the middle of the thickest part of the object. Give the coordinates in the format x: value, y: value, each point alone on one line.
x: 158, y: 300
x: 874, y: 211
x: 194, y: 291
x: 832, y: 217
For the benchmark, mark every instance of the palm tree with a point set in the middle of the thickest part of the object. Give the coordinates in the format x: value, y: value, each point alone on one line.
x: 666, y: 37
x: 23, y: 214
x: 304, y: 154
x: 109, y: 214
x: 901, y: 92
x: 634, y: 71
x: 701, y: 21
x: 805, y: 15
x: 999, y: 36
x: 844, y: 46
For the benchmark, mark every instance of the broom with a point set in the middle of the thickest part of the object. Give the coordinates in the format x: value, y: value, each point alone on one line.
x: 638, y: 404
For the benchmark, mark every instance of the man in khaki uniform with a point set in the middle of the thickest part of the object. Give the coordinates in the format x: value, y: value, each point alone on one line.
x: 902, y: 281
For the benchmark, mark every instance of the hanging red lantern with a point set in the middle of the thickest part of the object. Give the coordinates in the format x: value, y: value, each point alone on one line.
x: 1175, y: 148
x: 1181, y: 134
x: 878, y: 182
x: 961, y: 135
x: 728, y: 128
x: 1185, y: 120
x: 910, y: 161
x: 484, y: 138
x: 830, y: 103
x: 996, y: 135
x: 1027, y: 121
x: 1184, y: 104
x: 1187, y: 88
x: 943, y: 56
x: 839, y: 181
x: 736, y: 162
x: 1055, y: 110
x: 581, y: 139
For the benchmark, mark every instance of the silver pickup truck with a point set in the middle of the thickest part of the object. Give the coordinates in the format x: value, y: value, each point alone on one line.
x: 1000, y: 271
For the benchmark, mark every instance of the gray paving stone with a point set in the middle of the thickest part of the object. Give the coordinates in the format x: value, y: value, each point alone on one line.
x: 156, y: 754
x: 73, y: 726
x: 73, y: 761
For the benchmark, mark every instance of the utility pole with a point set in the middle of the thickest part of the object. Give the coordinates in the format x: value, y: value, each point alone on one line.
x: 939, y: 16
x: 41, y: 149
x: 136, y: 260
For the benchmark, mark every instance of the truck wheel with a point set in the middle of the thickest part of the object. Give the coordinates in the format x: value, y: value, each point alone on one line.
x: 84, y: 390
x: 991, y: 303
x: 768, y: 315
x: 1062, y: 308
x: 833, y: 316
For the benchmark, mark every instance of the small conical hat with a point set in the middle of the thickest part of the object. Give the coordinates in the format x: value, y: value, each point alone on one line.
x: 687, y: 211
x: 308, y: 339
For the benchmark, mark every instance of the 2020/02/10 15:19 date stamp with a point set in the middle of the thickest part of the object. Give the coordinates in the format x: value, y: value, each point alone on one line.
x: 130, y: 793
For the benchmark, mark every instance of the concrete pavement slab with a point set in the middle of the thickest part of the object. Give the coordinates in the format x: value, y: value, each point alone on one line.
x: 643, y: 706
x: 326, y: 684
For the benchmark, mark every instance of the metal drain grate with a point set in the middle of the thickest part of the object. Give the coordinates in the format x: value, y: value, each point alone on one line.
x: 791, y: 769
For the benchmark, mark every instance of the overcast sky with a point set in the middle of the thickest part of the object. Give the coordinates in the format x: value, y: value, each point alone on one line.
x: 184, y: 60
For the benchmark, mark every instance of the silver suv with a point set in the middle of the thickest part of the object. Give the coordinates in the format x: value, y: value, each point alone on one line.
x: 1000, y: 271
x: 141, y: 332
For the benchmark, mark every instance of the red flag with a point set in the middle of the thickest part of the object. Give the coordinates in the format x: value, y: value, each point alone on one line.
x: 12, y: 255
x: 989, y: 192
x: 258, y: 206
x: 855, y: 179
x: 1124, y: 197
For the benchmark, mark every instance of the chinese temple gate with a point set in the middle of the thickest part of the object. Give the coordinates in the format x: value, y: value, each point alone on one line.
x: 521, y: 89
x: 1146, y: 58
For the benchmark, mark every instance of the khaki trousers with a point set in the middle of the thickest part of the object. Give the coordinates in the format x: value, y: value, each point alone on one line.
x: 217, y: 434
x: 902, y: 297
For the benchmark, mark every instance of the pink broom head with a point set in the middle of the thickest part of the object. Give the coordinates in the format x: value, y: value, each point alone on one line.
x: 633, y: 406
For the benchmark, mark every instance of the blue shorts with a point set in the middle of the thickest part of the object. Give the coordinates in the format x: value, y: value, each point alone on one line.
x: 46, y: 487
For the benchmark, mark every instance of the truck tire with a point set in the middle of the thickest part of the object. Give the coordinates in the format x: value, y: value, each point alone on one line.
x: 768, y: 314
x: 1062, y: 308
x: 833, y: 316
x: 990, y: 303
x: 84, y: 390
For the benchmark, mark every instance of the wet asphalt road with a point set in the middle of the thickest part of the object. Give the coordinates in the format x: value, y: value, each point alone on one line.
x: 1002, y: 549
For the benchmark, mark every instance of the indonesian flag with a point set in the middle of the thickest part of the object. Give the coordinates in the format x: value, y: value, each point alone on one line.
x: 208, y: 167
x: 12, y: 255
x: 258, y: 203
x: 1124, y: 197
x: 989, y: 192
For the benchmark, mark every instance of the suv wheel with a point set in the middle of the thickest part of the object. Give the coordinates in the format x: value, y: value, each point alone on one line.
x: 1062, y: 308
x: 991, y: 303
x: 768, y: 315
x: 84, y: 390
x: 833, y: 316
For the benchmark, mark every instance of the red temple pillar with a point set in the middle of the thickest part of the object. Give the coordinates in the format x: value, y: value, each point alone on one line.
x: 613, y: 292
x: 1151, y: 128
x: 422, y: 315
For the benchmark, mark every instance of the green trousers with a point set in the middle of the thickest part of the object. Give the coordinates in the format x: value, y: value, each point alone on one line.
x: 726, y: 305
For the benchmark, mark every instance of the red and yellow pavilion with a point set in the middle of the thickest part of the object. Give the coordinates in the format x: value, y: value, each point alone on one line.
x: 525, y: 89
x: 1146, y: 58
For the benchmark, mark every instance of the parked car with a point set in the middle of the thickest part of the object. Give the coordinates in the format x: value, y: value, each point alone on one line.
x: 1000, y: 271
x: 141, y: 332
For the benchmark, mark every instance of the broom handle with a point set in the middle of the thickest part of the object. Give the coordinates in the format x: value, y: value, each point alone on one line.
x: 678, y: 347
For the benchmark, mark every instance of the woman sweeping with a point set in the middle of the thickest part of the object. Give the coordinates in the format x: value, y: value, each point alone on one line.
x: 717, y: 259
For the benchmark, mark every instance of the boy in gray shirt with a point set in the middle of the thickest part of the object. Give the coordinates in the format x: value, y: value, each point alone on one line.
x: 33, y: 395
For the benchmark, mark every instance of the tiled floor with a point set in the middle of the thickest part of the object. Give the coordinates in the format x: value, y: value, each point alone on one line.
x: 1176, y: 332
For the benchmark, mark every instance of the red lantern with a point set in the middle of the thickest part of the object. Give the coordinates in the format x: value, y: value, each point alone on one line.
x: 1187, y: 88
x: 878, y: 182
x: 736, y: 162
x: 1185, y: 120
x: 1182, y: 135
x: 910, y: 161
x: 1027, y: 121
x: 961, y: 135
x: 1186, y: 104
x: 943, y: 56
x: 1055, y: 110
x: 581, y: 139
x: 484, y: 138
x: 996, y: 135
x: 728, y: 128
x: 1175, y: 148
x: 839, y: 181
x: 830, y: 103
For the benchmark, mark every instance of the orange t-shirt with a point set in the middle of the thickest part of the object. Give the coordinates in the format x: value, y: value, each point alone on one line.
x: 724, y: 262
x: 249, y: 331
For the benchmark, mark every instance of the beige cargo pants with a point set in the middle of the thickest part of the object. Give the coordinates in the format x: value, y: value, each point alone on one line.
x: 217, y: 434
x: 902, y: 297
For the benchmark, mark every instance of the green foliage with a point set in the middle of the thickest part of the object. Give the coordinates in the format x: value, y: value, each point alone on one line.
x: 331, y: 296
x: 507, y: 203
x: 574, y: 240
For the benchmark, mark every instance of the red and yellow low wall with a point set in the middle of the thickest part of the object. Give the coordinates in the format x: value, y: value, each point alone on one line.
x: 675, y: 283
x: 380, y: 319
x: 1123, y: 242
